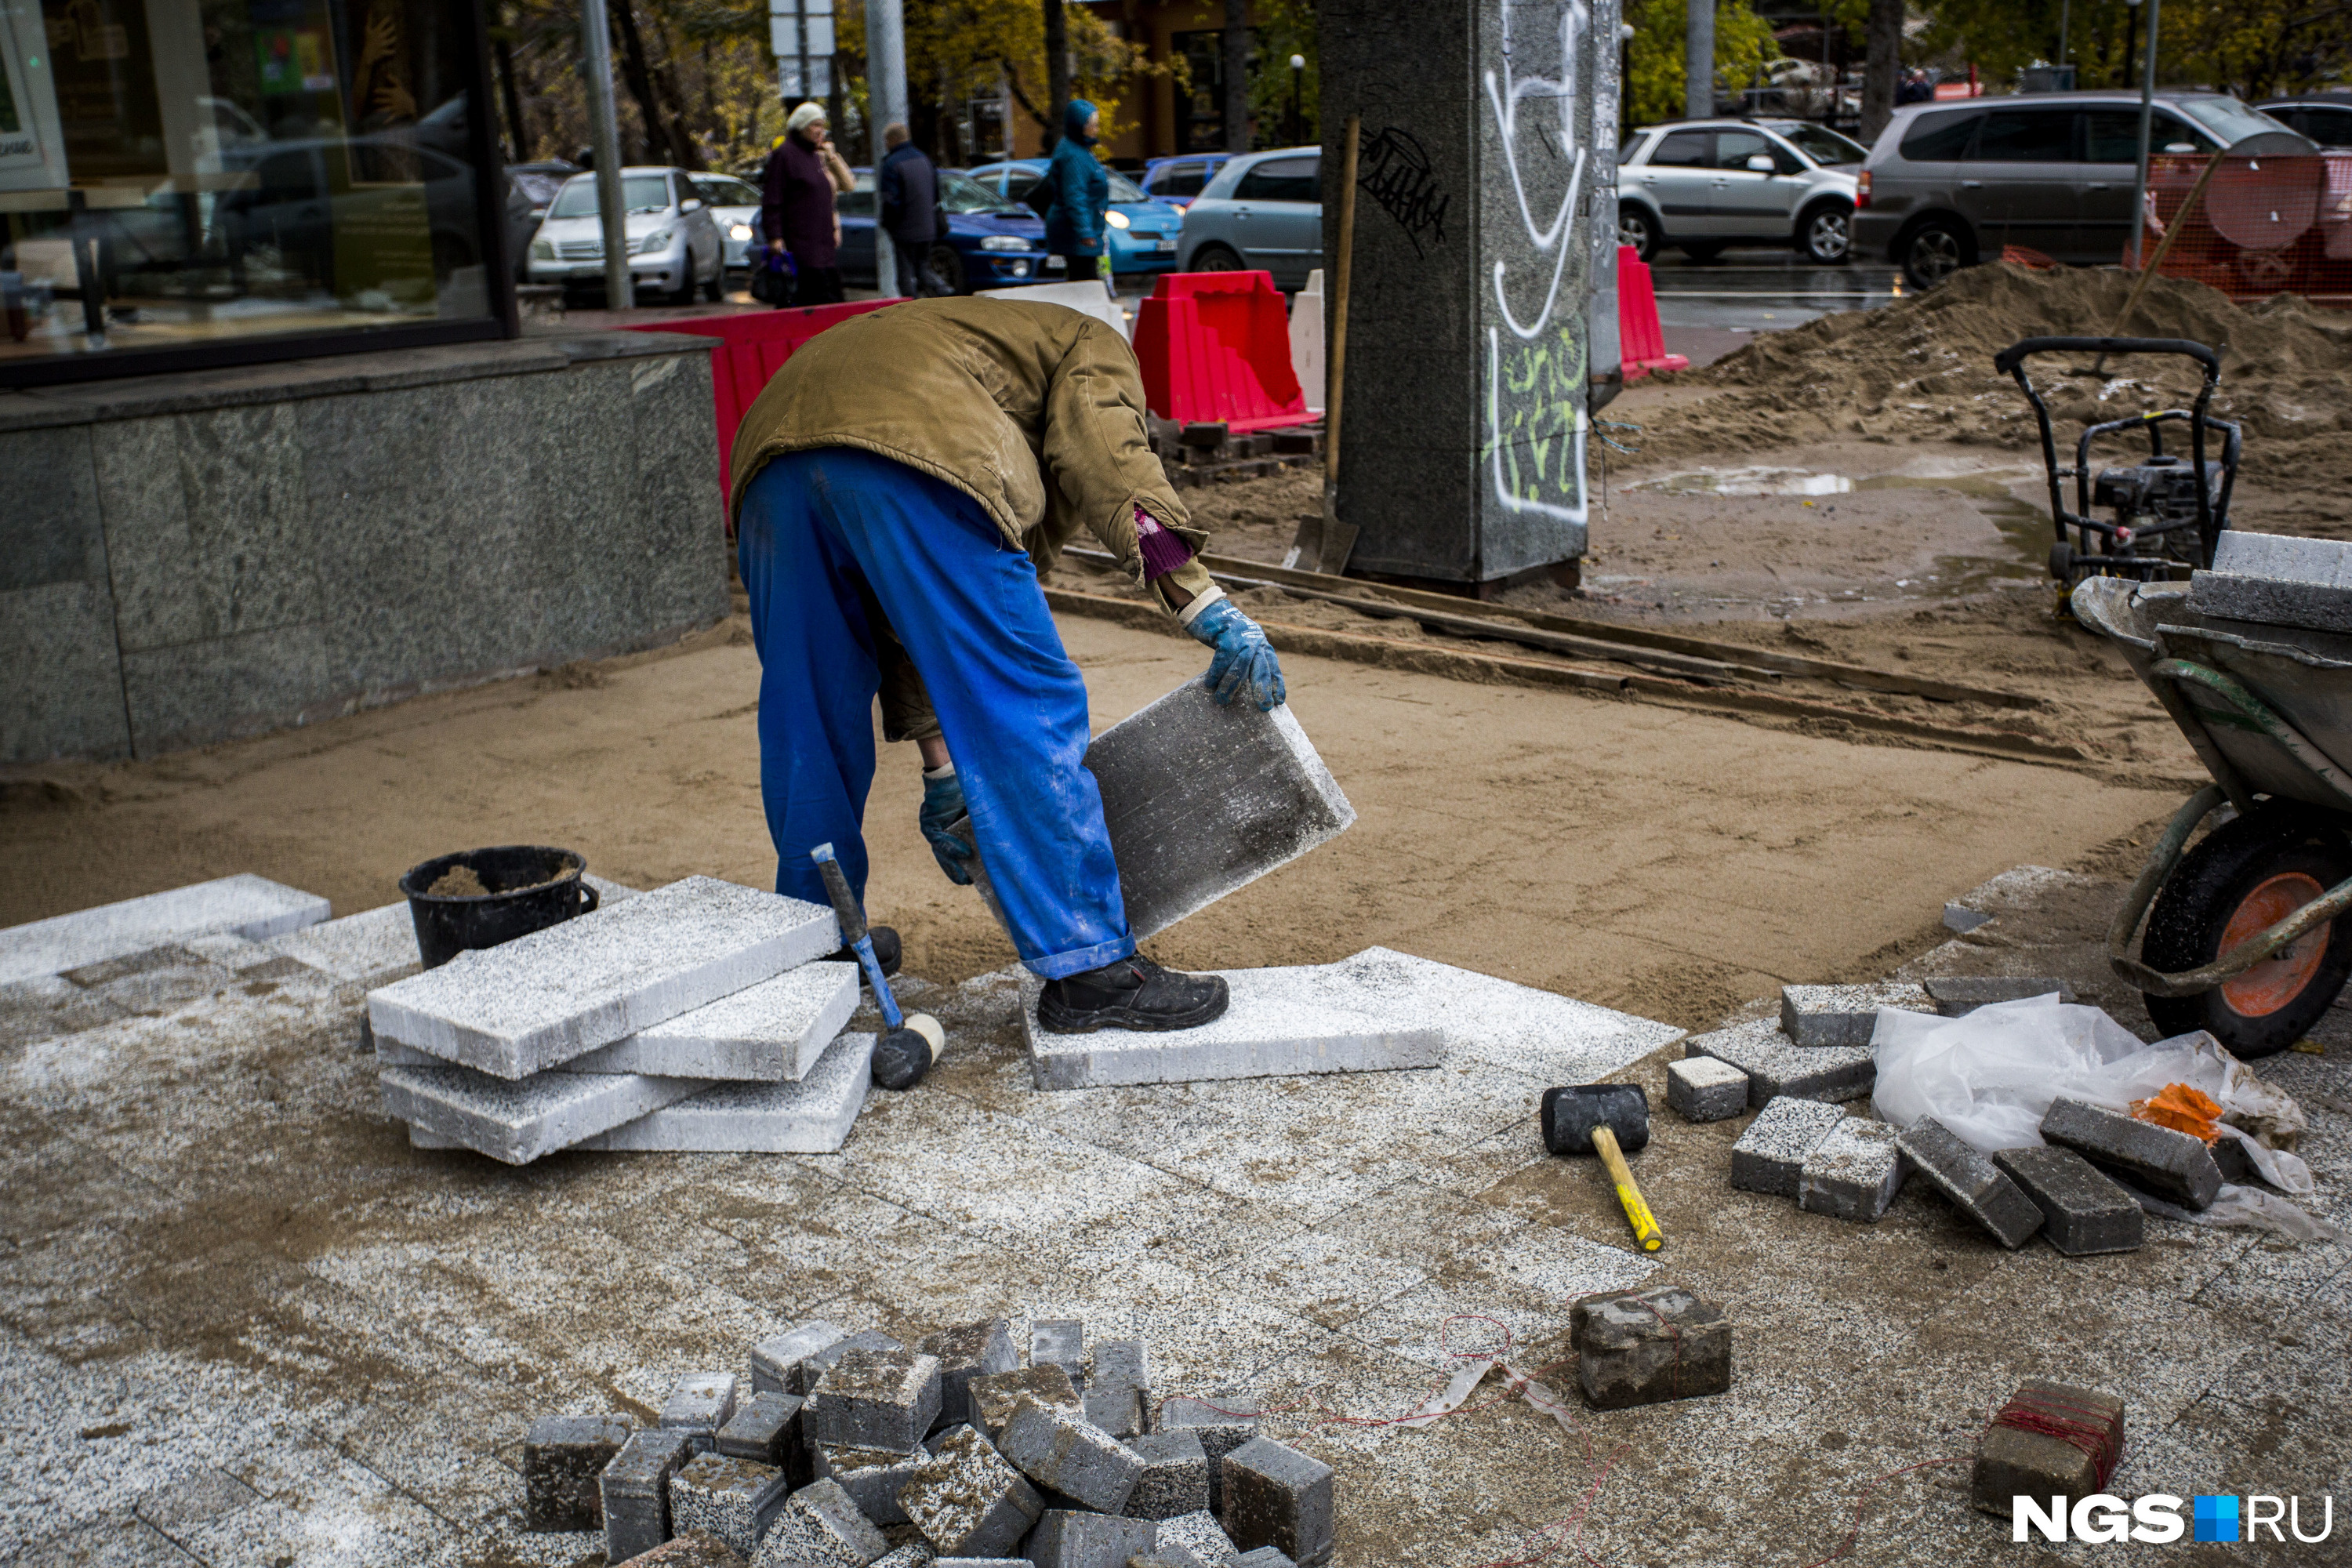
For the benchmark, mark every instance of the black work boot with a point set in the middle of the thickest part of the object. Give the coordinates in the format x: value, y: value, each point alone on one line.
x: 886, y: 953
x: 1132, y: 993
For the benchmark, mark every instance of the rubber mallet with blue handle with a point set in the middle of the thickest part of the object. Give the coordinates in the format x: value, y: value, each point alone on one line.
x: 909, y: 1042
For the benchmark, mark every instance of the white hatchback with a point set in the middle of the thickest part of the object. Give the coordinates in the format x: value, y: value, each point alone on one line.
x: 1707, y: 185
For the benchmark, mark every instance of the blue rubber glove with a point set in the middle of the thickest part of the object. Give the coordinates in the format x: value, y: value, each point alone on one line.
x: 1244, y: 660
x: 942, y: 805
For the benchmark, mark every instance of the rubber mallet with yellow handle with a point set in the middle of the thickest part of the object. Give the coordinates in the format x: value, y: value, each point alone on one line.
x: 1612, y: 1120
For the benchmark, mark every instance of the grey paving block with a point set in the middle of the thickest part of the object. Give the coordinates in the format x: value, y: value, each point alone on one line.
x: 766, y: 1427
x: 1065, y: 1538
x: 1776, y: 1066
x: 699, y: 1404
x: 1175, y: 1478
x: 967, y: 1500
x: 813, y: 1116
x: 540, y: 1000
x: 1845, y: 1015
x: 1854, y: 1173
x: 776, y: 1362
x: 817, y: 1362
x: 964, y: 1352
x: 1060, y: 1341
x: 1263, y: 1557
x: 1118, y: 1387
x: 519, y: 1121
x: 1275, y: 1496
x: 636, y: 1491
x: 2081, y: 1211
x: 1201, y: 800
x: 875, y: 1399
x: 696, y: 1549
x: 1770, y: 1155
x: 1704, y: 1088
x: 872, y: 1476
x: 2175, y: 1165
x: 1071, y: 1457
x: 1316, y: 1018
x: 1219, y: 1420
x: 1197, y: 1535
x: 734, y: 1499
x: 914, y: 1555
x: 2013, y: 1461
x: 994, y: 1396
x: 251, y: 907
x: 1649, y: 1345
x: 1958, y: 996
x: 1977, y: 1188
x: 2278, y: 580
x: 563, y: 1458
x: 820, y: 1527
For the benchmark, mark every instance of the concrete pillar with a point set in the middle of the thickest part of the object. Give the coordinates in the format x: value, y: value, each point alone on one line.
x: 1698, y: 60
x: 1486, y: 192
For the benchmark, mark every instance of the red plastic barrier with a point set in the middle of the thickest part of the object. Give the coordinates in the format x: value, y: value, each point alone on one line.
x: 758, y: 342
x: 1641, y: 341
x: 1215, y: 346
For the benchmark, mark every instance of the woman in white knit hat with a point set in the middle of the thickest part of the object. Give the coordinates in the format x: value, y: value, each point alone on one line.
x: 796, y: 211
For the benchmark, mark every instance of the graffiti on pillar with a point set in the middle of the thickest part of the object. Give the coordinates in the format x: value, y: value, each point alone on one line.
x: 1536, y: 352
x: 1394, y: 172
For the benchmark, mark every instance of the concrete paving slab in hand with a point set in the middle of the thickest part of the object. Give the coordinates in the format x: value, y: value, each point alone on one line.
x: 540, y: 1000
x: 811, y: 1117
x: 1319, y: 1018
x: 251, y: 907
x: 518, y: 1122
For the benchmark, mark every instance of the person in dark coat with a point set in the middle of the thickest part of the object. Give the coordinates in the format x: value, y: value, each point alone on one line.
x: 909, y: 185
x: 796, y: 211
x: 1080, y: 192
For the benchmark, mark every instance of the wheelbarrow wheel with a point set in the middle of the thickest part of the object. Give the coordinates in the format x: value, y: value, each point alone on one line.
x: 2247, y: 874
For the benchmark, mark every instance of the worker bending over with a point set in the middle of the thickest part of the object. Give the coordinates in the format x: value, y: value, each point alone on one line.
x: 899, y: 488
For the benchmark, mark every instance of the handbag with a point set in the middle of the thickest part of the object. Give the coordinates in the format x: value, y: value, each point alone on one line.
x: 772, y: 281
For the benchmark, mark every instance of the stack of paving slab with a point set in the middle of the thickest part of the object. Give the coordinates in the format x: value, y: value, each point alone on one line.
x: 2277, y: 581
x: 701, y: 1015
x: 847, y: 1450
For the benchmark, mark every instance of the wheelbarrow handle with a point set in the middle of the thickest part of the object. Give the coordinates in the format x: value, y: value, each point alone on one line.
x: 2007, y: 359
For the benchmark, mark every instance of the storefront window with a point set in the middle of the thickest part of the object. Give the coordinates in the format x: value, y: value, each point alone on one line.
x: 177, y: 172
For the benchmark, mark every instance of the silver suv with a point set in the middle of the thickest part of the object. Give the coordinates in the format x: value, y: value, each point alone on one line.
x: 1948, y: 183
x: 1703, y: 184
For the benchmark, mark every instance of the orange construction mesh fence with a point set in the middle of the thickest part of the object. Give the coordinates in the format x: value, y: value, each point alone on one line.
x: 2261, y: 225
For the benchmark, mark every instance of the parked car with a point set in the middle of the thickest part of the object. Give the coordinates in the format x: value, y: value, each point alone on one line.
x: 1147, y: 243
x: 675, y: 246
x: 1177, y: 181
x: 1705, y: 184
x: 991, y: 243
x: 2326, y: 118
x: 1946, y: 186
x: 735, y: 208
x: 1262, y: 211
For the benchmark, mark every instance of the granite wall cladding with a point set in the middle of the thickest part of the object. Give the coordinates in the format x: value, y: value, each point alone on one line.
x: 1486, y: 205
x: 188, y: 558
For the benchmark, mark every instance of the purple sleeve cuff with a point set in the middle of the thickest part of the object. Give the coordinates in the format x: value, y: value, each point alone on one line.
x: 1162, y: 552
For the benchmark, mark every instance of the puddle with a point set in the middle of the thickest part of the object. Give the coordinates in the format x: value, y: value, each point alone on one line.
x: 1747, y: 482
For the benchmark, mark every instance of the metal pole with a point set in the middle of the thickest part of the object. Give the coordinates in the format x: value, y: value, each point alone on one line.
x: 1698, y: 61
x: 2065, y: 13
x: 2146, y: 125
x: 605, y: 137
x: 886, y: 105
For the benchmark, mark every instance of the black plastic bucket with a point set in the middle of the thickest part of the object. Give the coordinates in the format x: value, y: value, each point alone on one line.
x: 532, y: 887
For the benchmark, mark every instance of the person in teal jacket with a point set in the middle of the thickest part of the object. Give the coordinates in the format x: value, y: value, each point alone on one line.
x: 1081, y: 195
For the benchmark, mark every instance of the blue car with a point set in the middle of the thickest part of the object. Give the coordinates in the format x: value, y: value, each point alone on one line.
x: 991, y: 243
x: 1177, y: 180
x: 1147, y: 243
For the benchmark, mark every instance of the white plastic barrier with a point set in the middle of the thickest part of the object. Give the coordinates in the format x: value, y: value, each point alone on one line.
x: 1307, y: 340
x: 1088, y: 297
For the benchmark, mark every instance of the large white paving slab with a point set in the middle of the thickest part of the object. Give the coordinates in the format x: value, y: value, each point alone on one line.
x: 1507, y: 1025
x: 1310, y: 1019
x: 518, y: 1122
x: 379, y: 945
x: 811, y: 1117
x: 771, y: 1031
x: 541, y: 1000
x: 246, y: 905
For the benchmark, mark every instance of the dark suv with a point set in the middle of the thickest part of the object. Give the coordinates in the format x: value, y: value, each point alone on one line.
x: 1948, y: 184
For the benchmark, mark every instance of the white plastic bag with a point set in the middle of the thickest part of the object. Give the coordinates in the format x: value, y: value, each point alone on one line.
x: 1990, y: 1077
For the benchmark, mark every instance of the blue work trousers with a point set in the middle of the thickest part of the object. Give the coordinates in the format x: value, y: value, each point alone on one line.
x: 837, y: 545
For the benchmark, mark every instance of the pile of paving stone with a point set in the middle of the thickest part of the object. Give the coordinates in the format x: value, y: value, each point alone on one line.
x: 699, y: 1015
x: 848, y: 1450
x: 2070, y: 1188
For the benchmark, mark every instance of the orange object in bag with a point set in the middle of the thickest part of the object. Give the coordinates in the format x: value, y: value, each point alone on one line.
x: 2182, y: 1108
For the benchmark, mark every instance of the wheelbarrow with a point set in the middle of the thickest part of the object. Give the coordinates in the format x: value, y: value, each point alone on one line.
x: 2244, y: 937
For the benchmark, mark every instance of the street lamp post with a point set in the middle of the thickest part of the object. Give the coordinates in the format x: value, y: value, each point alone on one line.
x: 1297, y: 120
